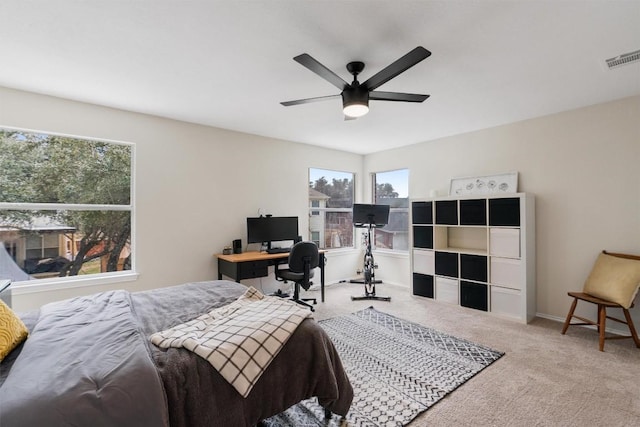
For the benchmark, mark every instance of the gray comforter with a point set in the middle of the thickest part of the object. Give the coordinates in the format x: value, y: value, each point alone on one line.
x: 88, y: 362
x: 85, y: 363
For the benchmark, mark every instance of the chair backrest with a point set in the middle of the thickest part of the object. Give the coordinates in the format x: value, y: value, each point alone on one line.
x: 301, y: 252
x: 615, y: 277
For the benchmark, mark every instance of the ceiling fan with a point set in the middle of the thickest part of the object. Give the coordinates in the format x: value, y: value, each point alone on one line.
x: 356, y: 96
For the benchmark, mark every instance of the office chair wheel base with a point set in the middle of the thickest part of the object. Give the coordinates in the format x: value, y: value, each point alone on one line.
x: 304, y: 303
x: 280, y: 294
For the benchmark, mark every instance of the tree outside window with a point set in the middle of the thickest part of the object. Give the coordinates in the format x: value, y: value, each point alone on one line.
x: 330, y: 208
x: 65, y: 206
x: 392, y: 188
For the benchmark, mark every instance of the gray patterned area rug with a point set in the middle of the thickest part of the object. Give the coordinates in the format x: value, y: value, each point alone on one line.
x: 398, y: 369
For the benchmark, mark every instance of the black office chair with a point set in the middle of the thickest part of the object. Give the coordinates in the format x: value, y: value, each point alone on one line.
x: 303, y: 258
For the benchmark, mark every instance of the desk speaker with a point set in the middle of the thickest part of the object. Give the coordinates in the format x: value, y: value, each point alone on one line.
x: 237, y: 246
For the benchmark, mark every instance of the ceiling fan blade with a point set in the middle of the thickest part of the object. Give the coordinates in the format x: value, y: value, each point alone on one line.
x: 313, y: 65
x: 397, y: 96
x: 397, y: 67
x: 308, y: 100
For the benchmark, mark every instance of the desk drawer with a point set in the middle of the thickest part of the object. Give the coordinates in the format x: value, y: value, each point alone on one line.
x: 251, y: 269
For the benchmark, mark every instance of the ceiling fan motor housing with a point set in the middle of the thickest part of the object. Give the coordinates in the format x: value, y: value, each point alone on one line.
x: 355, y: 101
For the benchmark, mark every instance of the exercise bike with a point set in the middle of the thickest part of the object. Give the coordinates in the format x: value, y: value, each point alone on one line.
x: 369, y: 216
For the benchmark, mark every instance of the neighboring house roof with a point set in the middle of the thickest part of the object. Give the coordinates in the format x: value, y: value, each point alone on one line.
x: 398, y: 223
x: 43, y: 224
x: 316, y: 195
x: 394, y: 202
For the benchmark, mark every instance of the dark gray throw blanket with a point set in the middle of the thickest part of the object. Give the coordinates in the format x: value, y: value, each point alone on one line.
x: 198, y: 395
x: 85, y: 363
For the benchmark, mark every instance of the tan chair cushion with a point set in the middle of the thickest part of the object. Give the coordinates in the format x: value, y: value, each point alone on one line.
x: 614, y: 279
x: 12, y: 330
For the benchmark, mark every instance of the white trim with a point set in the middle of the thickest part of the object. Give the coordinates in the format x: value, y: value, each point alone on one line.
x: 132, y: 201
x: 550, y: 317
x: 392, y: 253
x: 347, y: 250
x: 66, y: 135
x: 563, y: 319
x: 64, y: 206
x: 43, y: 285
x: 46, y: 285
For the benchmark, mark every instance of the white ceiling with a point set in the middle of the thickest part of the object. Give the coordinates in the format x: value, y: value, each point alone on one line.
x: 229, y: 63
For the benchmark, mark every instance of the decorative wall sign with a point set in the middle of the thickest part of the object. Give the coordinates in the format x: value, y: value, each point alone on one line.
x: 490, y: 184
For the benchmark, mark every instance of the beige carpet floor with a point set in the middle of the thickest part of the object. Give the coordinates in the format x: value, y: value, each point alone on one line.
x: 544, y: 379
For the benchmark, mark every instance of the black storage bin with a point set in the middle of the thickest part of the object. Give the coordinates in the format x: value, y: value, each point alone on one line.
x: 423, y: 237
x: 446, y: 264
x: 423, y: 285
x: 422, y: 212
x: 473, y: 295
x: 504, y: 212
x: 447, y: 212
x: 473, y: 267
x: 473, y: 212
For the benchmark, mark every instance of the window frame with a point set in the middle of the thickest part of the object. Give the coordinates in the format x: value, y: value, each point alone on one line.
x: 318, y: 211
x: 69, y: 282
x: 374, y: 198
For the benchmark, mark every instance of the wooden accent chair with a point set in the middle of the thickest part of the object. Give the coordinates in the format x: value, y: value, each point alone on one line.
x: 612, y: 283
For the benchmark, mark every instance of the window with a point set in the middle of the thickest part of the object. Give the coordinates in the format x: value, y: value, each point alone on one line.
x: 330, y: 208
x: 315, y: 204
x: 42, y: 245
x: 315, y: 237
x: 65, y: 206
x: 392, y: 188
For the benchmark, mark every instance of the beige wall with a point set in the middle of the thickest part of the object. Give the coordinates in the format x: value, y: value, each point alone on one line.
x: 583, y: 168
x: 197, y: 184
x: 194, y: 187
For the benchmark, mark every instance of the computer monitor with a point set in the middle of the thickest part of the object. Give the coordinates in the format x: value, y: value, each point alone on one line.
x: 370, y: 215
x: 267, y: 229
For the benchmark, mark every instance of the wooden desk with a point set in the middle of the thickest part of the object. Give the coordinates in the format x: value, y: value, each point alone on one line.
x: 250, y: 265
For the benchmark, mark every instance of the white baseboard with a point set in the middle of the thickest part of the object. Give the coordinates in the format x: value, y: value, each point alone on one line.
x: 608, y: 329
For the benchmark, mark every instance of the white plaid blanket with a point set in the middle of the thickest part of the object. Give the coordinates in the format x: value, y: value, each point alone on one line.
x: 239, y: 339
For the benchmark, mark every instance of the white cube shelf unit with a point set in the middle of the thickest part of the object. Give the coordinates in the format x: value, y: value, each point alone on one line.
x: 477, y: 252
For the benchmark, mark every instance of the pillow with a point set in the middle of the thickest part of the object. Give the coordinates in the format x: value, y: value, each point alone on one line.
x: 614, y: 279
x: 12, y: 330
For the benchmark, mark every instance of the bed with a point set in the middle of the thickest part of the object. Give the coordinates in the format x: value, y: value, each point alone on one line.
x: 88, y: 361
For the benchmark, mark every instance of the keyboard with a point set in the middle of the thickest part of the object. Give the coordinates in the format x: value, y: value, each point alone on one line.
x: 278, y: 250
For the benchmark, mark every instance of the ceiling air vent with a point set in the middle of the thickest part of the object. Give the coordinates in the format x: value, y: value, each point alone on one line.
x: 624, y: 59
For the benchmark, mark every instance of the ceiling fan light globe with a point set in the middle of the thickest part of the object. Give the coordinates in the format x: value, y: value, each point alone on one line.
x: 355, y: 110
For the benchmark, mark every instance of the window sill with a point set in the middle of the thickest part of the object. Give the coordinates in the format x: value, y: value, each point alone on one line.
x: 61, y: 283
x: 340, y: 251
x: 391, y: 254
